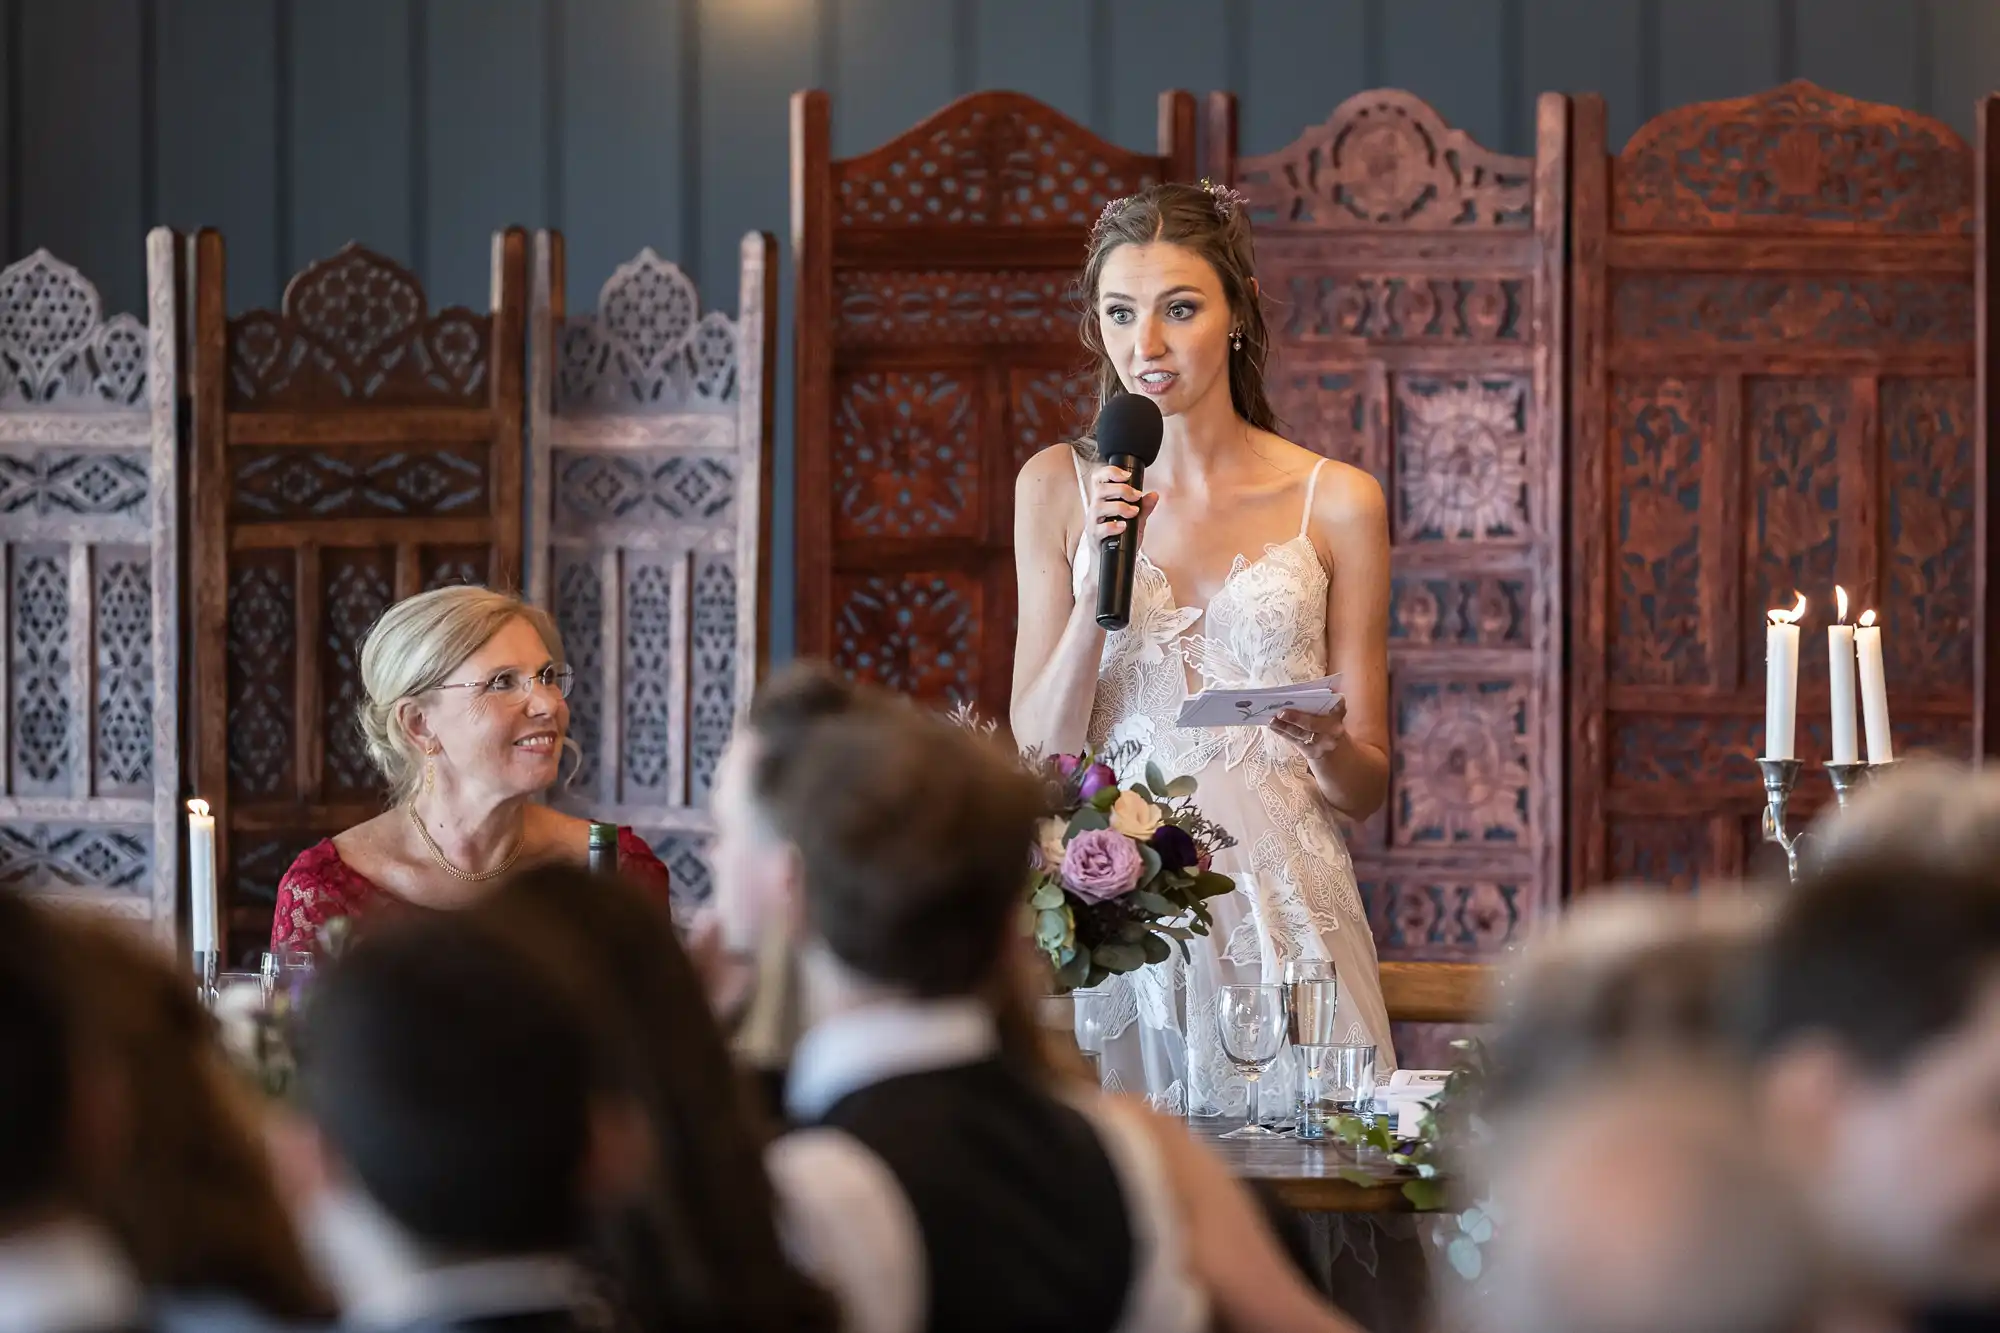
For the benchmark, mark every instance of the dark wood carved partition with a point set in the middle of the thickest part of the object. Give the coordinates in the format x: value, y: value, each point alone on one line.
x: 1415, y: 286
x: 937, y: 349
x: 351, y: 448
x: 89, y: 523
x: 649, y: 427
x: 1773, y: 390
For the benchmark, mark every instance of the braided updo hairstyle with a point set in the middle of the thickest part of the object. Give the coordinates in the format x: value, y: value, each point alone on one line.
x: 416, y: 646
x: 1214, y: 224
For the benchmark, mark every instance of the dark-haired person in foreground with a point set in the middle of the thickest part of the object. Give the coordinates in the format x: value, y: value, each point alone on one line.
x: 59, y: 1123
x: 469, y: 1125
x: 943, y: 1174
x: 1875, y: 1013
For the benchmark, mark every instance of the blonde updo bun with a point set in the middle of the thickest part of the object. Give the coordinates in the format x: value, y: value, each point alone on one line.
x: 416, y: 646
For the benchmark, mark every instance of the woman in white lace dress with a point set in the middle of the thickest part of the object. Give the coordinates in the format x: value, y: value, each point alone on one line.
x: 1261, y: 563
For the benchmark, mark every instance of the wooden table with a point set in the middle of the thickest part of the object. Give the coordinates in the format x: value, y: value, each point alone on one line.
x: 1305, y: 1175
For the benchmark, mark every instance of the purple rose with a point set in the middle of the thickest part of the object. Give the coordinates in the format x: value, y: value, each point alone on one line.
x: 1067, y: 764
x: 1177, y: 850
x: 1095, y: 779
x: 1099, y: 865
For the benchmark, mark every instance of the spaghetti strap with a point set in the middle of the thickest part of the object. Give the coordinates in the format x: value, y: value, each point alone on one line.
x: 1082, y: 483
x: 1312, y: 484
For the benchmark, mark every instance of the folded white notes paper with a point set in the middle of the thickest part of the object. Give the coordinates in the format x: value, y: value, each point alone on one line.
x: 1253, y: 706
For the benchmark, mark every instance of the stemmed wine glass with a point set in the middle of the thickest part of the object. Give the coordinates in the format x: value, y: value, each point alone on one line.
x: 1251, y: 1020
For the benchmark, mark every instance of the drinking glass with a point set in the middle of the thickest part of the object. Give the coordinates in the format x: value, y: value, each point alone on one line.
x: 1354, y: 1079
x: 1090, y: 1029
x: 1072, y: 1019
x: 287, y: 972
x: 1315, y: 1010
x: 1252, y: 1023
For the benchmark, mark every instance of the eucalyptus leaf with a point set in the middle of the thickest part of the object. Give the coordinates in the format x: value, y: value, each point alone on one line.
x: 1208, y: 884
x: 1476, y: 1225
x: 1465, y: 1260
x: 1424, y: 1195
x: 1074, y: 974
x: 1156, y: 949
x: 1156, y: 779
x: 1052, y: 928
x: 1086, y: 819
x: 1148, y: 901
x: 1048, y: 896
x: 1151, y: 860
x: 1182, y: 787
x: 1119, y: 957
x: 1131, y: 932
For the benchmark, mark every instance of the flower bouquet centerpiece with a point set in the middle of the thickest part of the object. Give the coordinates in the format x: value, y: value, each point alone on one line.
x: 1121, y: 874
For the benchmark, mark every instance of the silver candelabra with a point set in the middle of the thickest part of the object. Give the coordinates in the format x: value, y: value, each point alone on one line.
x: 1781, y: 775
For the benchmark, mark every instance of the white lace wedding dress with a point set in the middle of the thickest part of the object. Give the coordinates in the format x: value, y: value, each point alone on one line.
x: 1296, y: 896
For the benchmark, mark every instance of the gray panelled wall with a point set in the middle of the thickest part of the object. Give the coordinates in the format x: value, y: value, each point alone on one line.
x: 418, y: 126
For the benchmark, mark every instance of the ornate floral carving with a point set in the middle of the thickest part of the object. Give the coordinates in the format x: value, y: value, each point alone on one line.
x: 594, y: 487
x: 1387, y: 309
x: 38, y: 624
x: 712, y: 675
x: 1441, y: 920
x: 1461, y: 458
x: 991, y: 159
x: 1796, y: 158
x: 287, y: 481
x: 359, y: 586
x: 1472, y: 611
x: 1666, y: 852
x: 1385, y: 159
x: 1328, y: 411
x: 916, y: 633
x: 648, y: 348
x: 579, y: 609
x: 1661, y: 429
x: 41, y: 857
x: 56, y: 350
x: 47, y: 485
x: 1727, y: 310
x: 123, y: 727
x: 263, y: 633
x: 1927, y: 436
x: 652, y: 640
x: 1050, y: 406
x: 356, y: 326
x: 1683, y: 750
x: 1794, y: 427
x: 874, y: 306
x: 1461, y: 771
x: 906, y: 455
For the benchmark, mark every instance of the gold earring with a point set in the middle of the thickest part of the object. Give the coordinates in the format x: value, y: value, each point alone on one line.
x: 430, y: 771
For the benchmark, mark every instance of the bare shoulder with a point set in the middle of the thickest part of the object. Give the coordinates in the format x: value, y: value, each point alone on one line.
x: 550, y: 827
x: 373, y: 846
x: 1348, y: 497
x: 1046, y: 492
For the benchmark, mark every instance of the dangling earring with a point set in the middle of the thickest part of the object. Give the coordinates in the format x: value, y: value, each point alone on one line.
x: 1236, y: 340
x: 430, y: 770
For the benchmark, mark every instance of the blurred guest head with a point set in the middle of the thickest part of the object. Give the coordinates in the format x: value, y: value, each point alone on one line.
x: 1875, y: 1010
x: 1635, y: 1203
x: 1929, y: 812
x: 193, y: 1201
x: 702, y: 1248
x: 1622, y: 974
x: 462, y: 1088
x: 466, y: 693
x: 895, y: 839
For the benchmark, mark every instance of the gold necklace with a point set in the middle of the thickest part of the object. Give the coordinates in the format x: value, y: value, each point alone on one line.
x: 444, y: 863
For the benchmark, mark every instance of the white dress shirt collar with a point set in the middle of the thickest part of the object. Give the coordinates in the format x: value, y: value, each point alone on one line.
x: 865, y: 1046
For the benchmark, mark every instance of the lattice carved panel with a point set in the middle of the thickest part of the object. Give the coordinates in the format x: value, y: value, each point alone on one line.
x: 356, y: 328
x: 1845, y: 312
x: 1461, y: 458
x: 357, y: 584
x: 875, y: 306
x: 123, y: 726
x: 1385, y: 159
x: 647, y: 348
x: 687, y: 859
x: 1405, y: 309
x: 1662, y: 431
x: 1049, y: 406
x: 1475, y: 611
x: 906, y: 455
x: 448, y: 566
x: 1669, y: 853
x: 1440, y: 919
x: 653, y: 644
x: 645, y: 487
x: 579, y: 612
x: 89, y: 483
x: 1796, y: 158
x: 288, y: 482
x: 1795, y: 430
x: 39, y: 679
x: 1461, y: 771
x: 1689, y: 749
x: 1928, y: 513
x: 43, y: 858
x: 263, y: 639
x: 57, y: 351
x: 991, y: 159
x: 712, y: 701
x: 1333, y: 411
x: 917, y: 633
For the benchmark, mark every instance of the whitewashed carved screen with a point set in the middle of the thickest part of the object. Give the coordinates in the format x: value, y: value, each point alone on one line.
x: 88, y: 501
x: 646, y: 464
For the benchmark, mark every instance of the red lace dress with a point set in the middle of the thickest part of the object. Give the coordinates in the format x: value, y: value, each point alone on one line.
x: 320, y: 887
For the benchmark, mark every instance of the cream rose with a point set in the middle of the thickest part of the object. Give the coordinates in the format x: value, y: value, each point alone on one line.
x: 1135, y: 816
x: 1049, y: 842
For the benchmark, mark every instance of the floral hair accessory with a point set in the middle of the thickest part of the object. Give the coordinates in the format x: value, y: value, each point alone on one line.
x: 1111, y: 210
x: 1227, y: 200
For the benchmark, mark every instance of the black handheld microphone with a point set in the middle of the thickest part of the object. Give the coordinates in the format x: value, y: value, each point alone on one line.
x: 1128, y: 436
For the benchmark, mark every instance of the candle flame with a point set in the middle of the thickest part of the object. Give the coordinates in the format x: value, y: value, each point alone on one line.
x: 1840, y: 601
x: 1791, y: 617
x: 198, y: 808
x: 1867, y: 618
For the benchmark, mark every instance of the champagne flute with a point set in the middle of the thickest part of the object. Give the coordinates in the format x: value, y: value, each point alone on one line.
x: 1251, y: 1020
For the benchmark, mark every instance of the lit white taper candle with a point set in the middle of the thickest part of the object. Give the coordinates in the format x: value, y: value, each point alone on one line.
x: 1874, y: 690
x: 203, y: 914
x: 1781, y: 680
x: 1840, y: 679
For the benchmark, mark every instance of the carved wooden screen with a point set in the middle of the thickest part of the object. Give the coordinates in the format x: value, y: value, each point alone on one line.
x: 89, y: 507
x: 351, y: 448
x: 937, y: 349
x: 649, y: 482
x: 1415, y: 287
x: 1773, y: 391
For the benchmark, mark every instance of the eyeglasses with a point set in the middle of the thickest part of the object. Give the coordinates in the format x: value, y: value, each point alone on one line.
x: 558, y: 678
